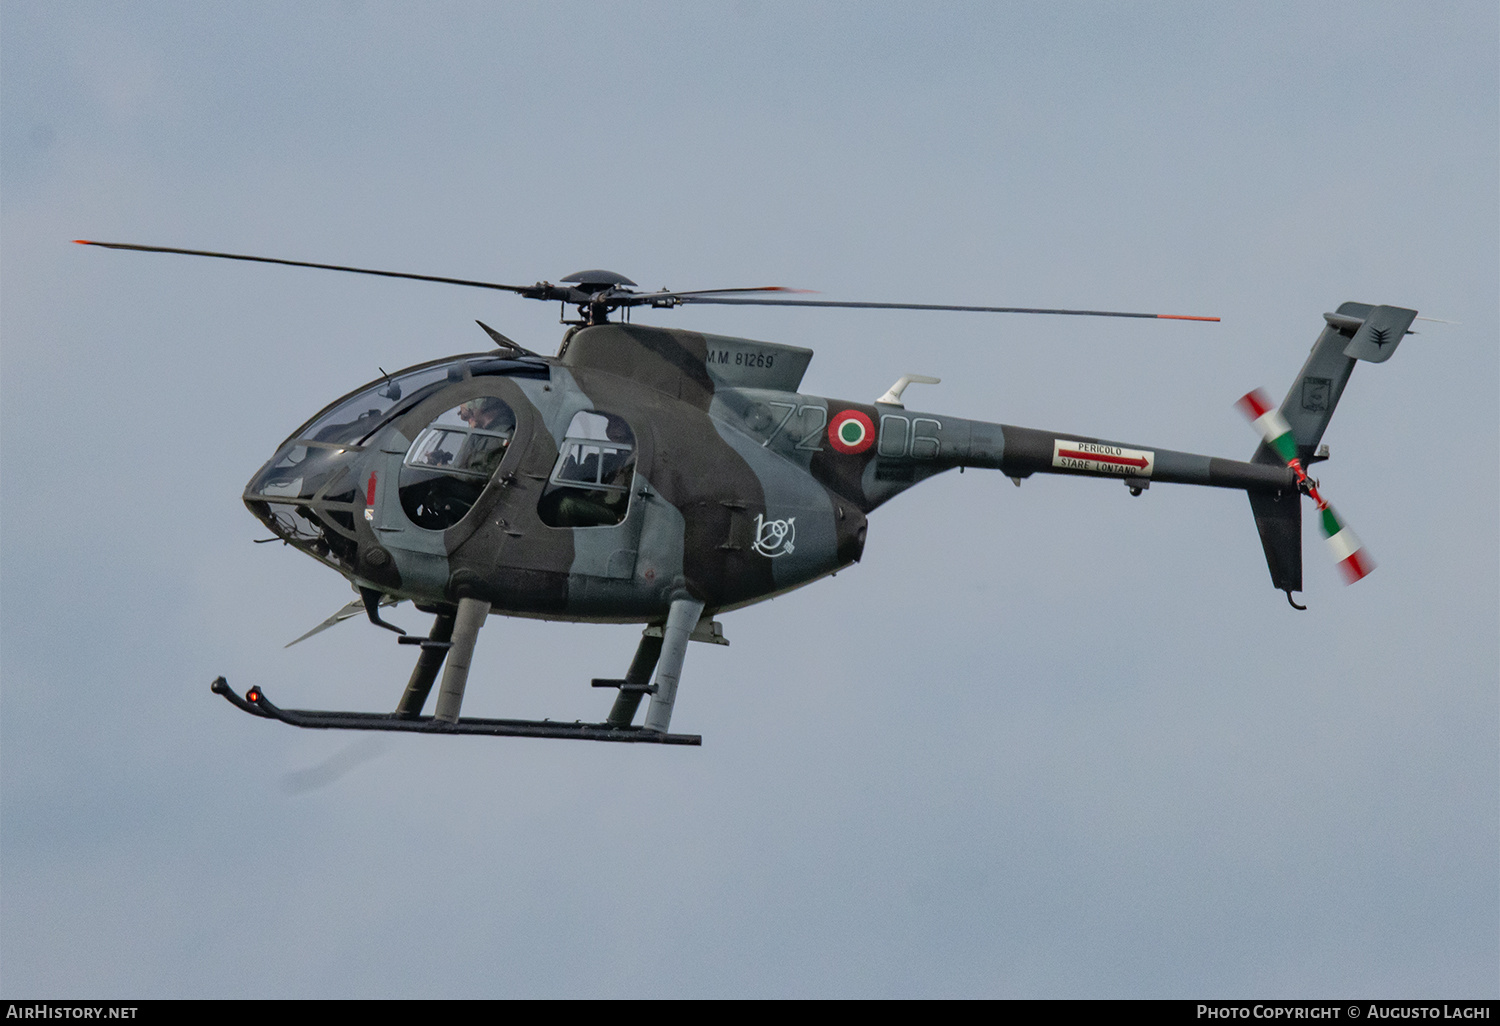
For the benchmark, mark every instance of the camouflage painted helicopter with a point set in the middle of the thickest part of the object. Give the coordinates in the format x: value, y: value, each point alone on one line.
x: 659, y: 476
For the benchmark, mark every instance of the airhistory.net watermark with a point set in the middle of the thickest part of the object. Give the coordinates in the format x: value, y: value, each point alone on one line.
x: 68, y: 1010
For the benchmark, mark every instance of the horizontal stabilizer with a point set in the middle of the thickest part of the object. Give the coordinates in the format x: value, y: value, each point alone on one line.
x: 1379, y: 332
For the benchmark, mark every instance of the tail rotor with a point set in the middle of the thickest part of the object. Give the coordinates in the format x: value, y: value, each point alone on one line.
x: 1353, y: 561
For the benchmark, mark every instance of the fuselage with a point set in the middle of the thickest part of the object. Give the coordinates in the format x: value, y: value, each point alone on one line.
x: 639, y: 463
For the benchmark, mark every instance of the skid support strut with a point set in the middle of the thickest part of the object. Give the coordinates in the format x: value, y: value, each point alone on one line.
x: 681, y: 620
x: 637, y: 681
x: 471, y: 614
x: 434, y: 651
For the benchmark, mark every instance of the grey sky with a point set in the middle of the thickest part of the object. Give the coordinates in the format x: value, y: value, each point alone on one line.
x: 1052, y: 741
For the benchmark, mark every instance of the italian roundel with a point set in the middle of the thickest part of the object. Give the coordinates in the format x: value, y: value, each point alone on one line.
x: 851, y: 432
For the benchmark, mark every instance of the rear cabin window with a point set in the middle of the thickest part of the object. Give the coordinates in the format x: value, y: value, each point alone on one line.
x: 590, y: 483
x: 453, y: 459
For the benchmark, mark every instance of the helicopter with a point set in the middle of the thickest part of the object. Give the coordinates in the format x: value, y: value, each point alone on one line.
x: 664, y: 477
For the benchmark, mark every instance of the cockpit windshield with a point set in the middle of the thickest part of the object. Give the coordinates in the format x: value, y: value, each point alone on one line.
x: 356, y: 415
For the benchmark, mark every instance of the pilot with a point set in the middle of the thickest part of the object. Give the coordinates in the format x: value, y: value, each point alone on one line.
x: 487, y: 413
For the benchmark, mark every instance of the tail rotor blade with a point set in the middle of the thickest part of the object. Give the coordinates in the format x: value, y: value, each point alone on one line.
x: 1353, y: 561
x: 1273, y: 428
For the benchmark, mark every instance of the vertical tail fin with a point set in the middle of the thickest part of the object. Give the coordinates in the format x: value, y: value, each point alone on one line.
x: 1290, y: 435
x: 1357, y: 332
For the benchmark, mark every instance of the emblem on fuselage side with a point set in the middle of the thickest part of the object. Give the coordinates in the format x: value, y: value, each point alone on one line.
x: 851, y: 432
x: 774, y: 537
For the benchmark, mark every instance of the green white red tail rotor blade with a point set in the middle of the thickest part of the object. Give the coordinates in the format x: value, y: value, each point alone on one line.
x: 1353, y: 561
x: 1273, y: 428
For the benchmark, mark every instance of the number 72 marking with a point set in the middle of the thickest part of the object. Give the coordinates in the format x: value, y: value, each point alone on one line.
x: 811, y: 441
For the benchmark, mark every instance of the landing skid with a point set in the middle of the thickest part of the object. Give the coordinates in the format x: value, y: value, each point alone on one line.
x: 256, y: 703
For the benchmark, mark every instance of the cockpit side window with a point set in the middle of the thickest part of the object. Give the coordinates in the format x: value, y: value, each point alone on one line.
x: 452, y: 460
x: 591, y: 481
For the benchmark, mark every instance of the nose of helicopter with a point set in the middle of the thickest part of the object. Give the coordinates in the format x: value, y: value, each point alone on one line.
x: 308, y: 494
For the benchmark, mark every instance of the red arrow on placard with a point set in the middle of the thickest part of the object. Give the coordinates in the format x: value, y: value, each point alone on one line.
x: 1099, y: 457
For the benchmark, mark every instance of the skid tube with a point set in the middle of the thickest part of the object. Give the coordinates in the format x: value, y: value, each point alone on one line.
x: 256, y: 703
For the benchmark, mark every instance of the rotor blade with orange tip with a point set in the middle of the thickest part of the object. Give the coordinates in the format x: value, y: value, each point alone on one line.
x: 689, y: 298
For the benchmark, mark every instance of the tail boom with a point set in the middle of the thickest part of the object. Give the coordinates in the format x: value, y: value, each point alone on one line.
x: 1028, y: 451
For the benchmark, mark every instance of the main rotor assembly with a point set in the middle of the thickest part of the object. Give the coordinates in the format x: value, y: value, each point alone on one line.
x: 598, y: 293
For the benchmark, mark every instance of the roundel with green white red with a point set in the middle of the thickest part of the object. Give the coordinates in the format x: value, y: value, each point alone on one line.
x: 851, y: 432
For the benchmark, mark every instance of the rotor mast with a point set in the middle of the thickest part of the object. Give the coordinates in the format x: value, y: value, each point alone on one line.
x: 593, y: 291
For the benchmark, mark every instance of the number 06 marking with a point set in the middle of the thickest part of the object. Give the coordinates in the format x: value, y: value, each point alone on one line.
x: 903, y: 436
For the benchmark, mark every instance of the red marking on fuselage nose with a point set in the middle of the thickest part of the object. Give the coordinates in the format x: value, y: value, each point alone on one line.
x: 370, y: 491
x: 1099, y: 457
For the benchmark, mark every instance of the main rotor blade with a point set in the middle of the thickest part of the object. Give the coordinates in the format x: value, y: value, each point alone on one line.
x: 545, y: 290
x: 691, y: 298
x: 303, y: 263
x: 652, y: 297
